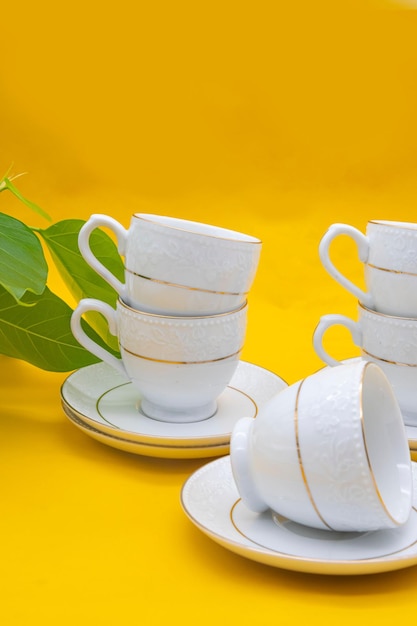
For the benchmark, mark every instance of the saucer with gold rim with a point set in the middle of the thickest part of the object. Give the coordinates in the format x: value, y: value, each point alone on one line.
x: 211, y: 500
x: 98, y: 397
x: 143, y: 449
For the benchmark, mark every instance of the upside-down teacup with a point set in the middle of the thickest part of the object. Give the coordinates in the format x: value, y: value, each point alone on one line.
x: 329, y: 452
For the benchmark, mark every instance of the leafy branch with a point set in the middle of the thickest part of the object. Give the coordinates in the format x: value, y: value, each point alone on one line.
x: 35, y: 322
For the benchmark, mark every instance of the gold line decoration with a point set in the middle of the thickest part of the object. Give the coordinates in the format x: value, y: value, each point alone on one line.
x: 300, y: 460
x: 177, y: 285
x: 148, y: 358
x: 73, y: 417
x: 113, y: 425
x: 392, y: 224
x: 379, y: 358
x: 371, y: 471
x: 295, y: 557
x: 409, y: 320
x: 384, y: 269
x: 207, y: 318
x: 99, y: 399
x: 248, y: 397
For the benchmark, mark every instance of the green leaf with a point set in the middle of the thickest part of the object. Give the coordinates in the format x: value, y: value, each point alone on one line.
x: 41, y: 333
x: 82, y: 281
x: 22, y: 263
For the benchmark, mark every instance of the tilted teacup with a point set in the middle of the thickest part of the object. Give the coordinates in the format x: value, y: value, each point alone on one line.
x: 388, y: 340
x: 329, y: 452
x: 389, y: 252
x: 179, y: 365
x: 175, y: 266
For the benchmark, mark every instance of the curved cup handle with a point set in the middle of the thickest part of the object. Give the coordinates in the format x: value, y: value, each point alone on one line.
x: 95, y: 221
x: 90, y: 304
x: 362, y: 243
x: 334, y: 320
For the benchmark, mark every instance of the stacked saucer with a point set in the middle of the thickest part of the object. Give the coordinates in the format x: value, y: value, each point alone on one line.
x: 104, y: 405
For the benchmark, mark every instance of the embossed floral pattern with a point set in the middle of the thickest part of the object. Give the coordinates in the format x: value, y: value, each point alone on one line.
x: 205, y: 262
x: 333, y: 412
x: 309, y: 455
x: 391, y: 338
x: 393, y: 247
x: 181, y: 339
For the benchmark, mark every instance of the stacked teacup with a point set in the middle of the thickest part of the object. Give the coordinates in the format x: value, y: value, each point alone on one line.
x: 386, y: 329
x: 181, y: 315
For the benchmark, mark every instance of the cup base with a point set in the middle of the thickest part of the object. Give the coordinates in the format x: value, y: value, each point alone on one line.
x: 178, y: 416
x: 241, y: 468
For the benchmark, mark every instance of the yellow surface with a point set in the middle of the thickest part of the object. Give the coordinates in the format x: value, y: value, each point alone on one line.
x: 272, y: 120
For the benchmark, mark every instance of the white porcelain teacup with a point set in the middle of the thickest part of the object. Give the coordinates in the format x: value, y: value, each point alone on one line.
x: 175, y: 266
x: 329, y: 452
x: 388, y: 340
x: 389, y: 252
x: 179, y: 365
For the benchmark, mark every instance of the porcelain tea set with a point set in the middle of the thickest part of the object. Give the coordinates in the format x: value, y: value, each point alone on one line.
x: 316, y: 476
x: 386, y: 330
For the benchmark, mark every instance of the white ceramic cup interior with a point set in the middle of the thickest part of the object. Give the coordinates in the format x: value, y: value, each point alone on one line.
x: 179, y: 365
x: 329, y: 452
x: 389, y: 253
x: 390, y: 341
x: 175, y: 266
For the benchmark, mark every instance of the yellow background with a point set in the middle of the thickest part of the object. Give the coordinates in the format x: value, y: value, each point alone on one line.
x: 270, y: 119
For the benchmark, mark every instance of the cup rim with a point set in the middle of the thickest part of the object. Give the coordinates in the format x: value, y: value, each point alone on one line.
x: 234, y: 235
x: 387, y: 315
x: 395, y: 224
x: 182, y: 317
x: 397, y: 415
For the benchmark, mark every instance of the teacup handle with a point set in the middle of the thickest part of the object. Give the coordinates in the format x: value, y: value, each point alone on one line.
x: 362, y: 243
x: 95, y: 221
x: 89, y: 304
x: 324, y: 324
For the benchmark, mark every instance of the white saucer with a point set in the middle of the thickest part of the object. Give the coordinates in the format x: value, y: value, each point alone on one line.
x: 143, y: 449
x: 101, y: 398
x: 211, y: 501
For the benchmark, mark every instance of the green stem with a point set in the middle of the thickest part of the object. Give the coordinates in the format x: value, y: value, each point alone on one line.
x: 6, y: 183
